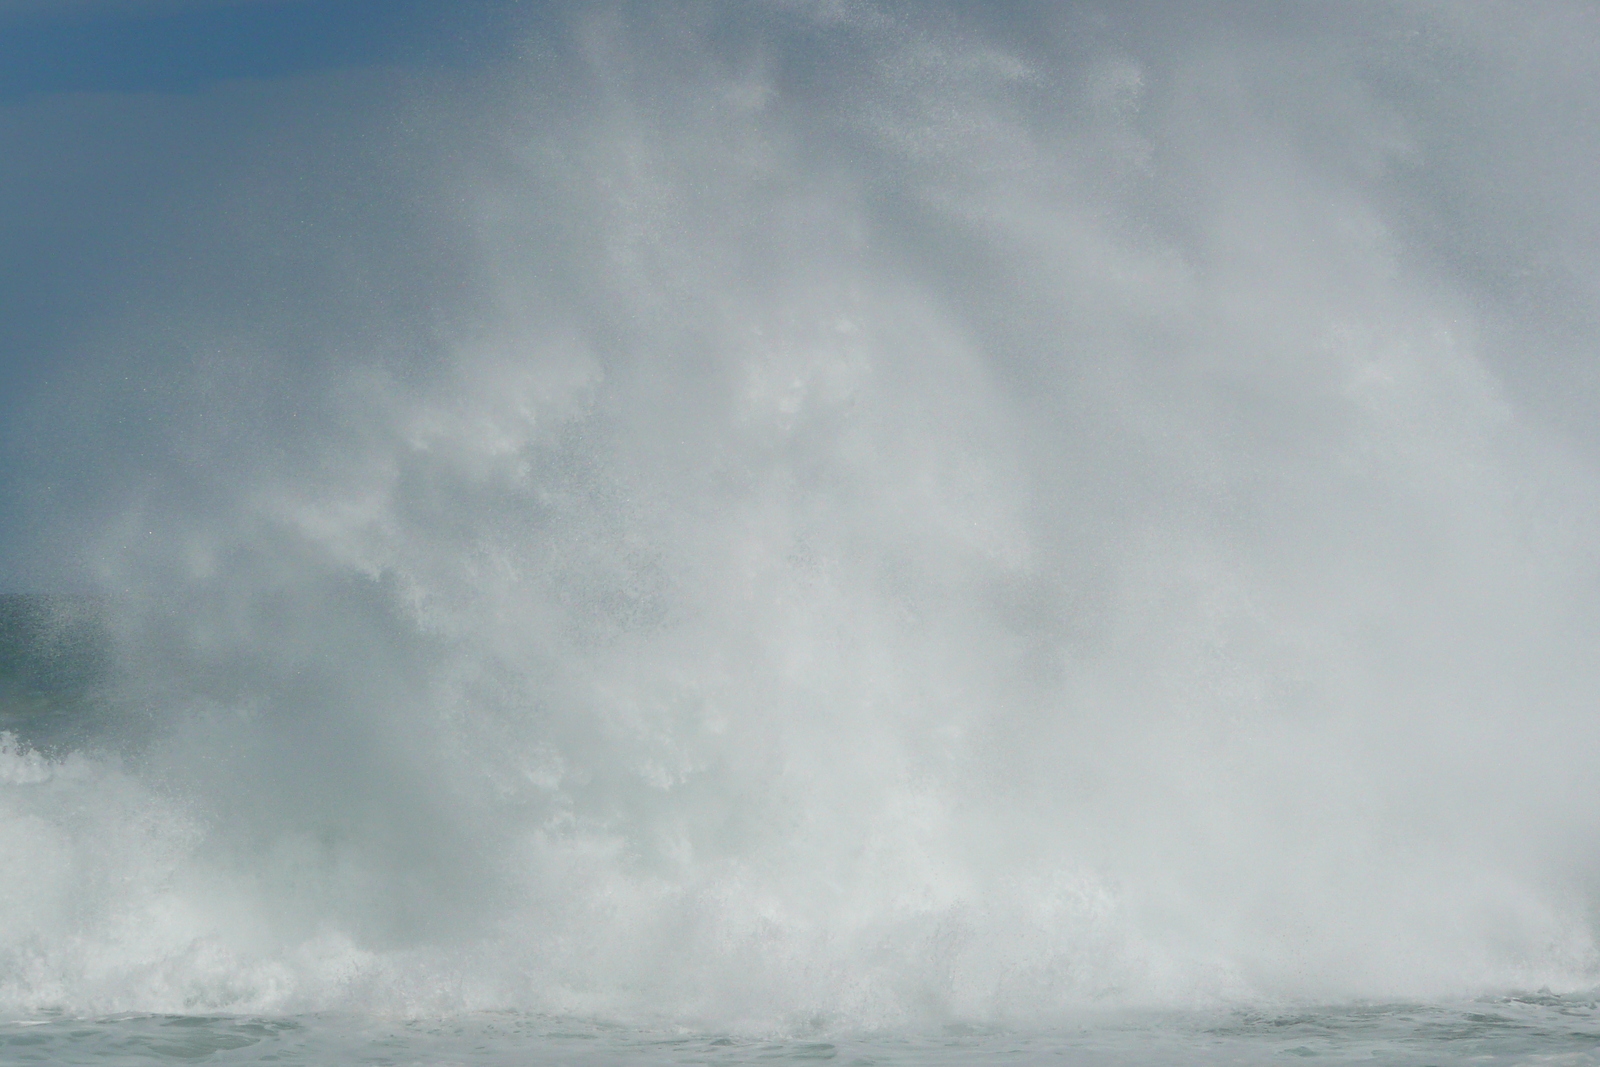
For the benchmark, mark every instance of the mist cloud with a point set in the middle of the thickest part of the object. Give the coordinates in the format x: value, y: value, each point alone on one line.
x: 743, y: 512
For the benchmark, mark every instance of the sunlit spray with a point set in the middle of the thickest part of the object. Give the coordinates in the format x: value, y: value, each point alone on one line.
x: 836, y: 515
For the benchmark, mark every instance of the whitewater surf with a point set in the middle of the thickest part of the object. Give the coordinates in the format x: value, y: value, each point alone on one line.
x: 712, y: 532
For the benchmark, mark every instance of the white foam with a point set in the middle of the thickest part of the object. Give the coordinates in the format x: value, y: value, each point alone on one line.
x: 1007, y: 525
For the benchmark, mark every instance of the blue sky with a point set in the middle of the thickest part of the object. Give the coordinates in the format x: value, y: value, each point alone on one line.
x: 118, y: 48
x: 121, y: 121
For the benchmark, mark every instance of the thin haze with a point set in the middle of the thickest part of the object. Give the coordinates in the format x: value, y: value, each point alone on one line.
x: 777, y: 511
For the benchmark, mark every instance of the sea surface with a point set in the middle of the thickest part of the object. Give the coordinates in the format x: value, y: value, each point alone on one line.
x: 1532, y: 1029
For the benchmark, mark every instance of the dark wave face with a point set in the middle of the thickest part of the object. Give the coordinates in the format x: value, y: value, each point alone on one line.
x: 830, y: 515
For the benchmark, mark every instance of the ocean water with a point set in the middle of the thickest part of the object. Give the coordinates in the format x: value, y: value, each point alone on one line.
x: 1530, y: 1029
x: 888, y: 533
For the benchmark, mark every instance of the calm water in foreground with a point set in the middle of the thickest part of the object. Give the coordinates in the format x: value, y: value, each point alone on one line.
x: 1511, y: 1030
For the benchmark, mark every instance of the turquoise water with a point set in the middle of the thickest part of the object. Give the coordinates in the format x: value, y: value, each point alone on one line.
x: 1491, y: 1031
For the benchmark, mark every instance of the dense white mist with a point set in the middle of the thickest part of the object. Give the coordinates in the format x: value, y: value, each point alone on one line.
x: 795, y: 513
